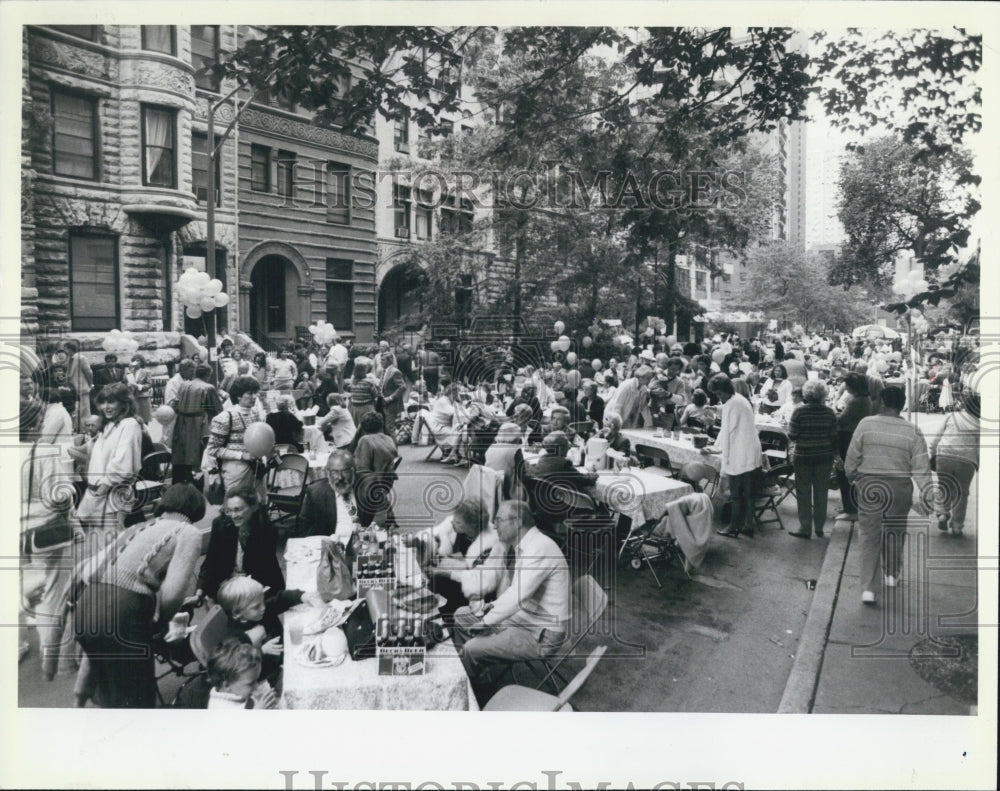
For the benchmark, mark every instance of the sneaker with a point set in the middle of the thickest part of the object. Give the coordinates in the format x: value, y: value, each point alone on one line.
x: 843, y: 516
x: 890, y: 581
x: 867, y: 597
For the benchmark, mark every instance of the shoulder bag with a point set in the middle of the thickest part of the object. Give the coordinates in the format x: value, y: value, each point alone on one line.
x: 56, y: 532
x: 215, y: 488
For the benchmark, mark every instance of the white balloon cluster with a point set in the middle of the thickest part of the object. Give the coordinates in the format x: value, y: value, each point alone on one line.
x: 122, y: 344
x: 199, y: 293
x: 563, y: 344
x: 323, y: 333
x: 911, y: 284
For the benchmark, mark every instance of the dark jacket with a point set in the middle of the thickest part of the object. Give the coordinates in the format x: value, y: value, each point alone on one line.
x: 287, y: 428
x: 260, y: 555
x: 559, y: 469
x: 318, y: 516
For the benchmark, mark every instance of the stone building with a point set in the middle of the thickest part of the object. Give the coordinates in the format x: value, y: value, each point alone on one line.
x: 114, y: 191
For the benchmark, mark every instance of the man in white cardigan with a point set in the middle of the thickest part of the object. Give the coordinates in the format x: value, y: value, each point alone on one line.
x: 741, y: 454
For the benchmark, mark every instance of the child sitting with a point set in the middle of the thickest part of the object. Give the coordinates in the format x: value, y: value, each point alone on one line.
x: 255, y: 615
x: 233, y: 670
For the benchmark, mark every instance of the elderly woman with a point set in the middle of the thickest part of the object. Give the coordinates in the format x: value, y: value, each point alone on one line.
x: 364, y: 390
x: 857, y: 406
x: 813, y: 427
x: 287, y: 427
x: 146, y: 572
x: 612, y: 432
x: 505, y: 456
x: 467, y: 560
x: 955, y: 449
x: 240, y: 469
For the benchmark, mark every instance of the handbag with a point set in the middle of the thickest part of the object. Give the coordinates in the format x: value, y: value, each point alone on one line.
x: 333, y: 576
x: 56, y: 532
x: 215, y: 487
x: 360, y: 631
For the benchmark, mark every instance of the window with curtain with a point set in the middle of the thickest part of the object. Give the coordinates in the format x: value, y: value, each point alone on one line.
x: 199, y: 169
x: 159, y: 38
x: 168, y: 287
x: 93, y: 276
x: 338, y: 195
x: 159, y: 146
x: 74, y: 135
x: 424, y: 215
x: 286, y: 173
x: 260, y: 168
x: 204, y: 55
x: 401, y: 210
x: 340, y: 293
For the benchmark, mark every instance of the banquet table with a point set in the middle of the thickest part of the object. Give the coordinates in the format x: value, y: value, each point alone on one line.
x: 356, y: 685
x: 681, y: 450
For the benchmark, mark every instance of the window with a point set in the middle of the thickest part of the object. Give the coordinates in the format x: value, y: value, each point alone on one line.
x: 463, y: 296
x: 260, y: 168
x: 286, y: 173
x: 700, y: 284
x: 424, y: 215
x: 168, y: 288
x: 74, y: 135
x: 199, y: 169
x: 204, y: 55
x: 93, y: 271
x: 160, y: 38
x: 159, y: 153
x: 401, y: 207
x: 456, y: 218
x: 340, y: 293
x: 401, y: 135
x: 88, y: 32
x: 338, y: 195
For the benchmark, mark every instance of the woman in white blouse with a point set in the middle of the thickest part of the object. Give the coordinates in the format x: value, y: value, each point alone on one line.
x: 114, y: 461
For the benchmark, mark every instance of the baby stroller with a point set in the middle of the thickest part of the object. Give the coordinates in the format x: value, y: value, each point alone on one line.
x: 186, y: 661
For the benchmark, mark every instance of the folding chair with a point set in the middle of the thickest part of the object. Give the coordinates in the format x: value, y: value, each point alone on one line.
x: 584, y: 428
x: 155, y: 472
x: 775, y: 446
x: 587, y: 606
x: 551, y: 504
x: 766, y: 498
x: 517, y: 698
x: 435, y: 443
x: 284, y: 449
x: 650, y: 456
x: 285, y: 498
x: 702, y: 476
x: 198, y: 648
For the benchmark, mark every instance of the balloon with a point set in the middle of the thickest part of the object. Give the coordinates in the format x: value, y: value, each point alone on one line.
x: 554, y: 346
x: 727, y: 348
x: 650, y: 332
x: 203, y: 355
x: 560, y: 327
x: 573, y: 379
x: 571, y: 358
x: 193, y: 312
x: 671, y: 340
x: 164, y: 414
x: 597, y: 364
x: 898, y: 288
x: 207, y: 304
x: 587, y: 341
x: 718, y: 355
x: 921, y: 285
x: 202, y: 279
x: 214, y: 286
x: 617, y: 340
x: 564, y: 343
x: 221, y: 300
x: 258, y: 439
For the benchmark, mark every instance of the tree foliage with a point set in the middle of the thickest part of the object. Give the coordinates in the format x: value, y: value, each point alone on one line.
x: 892, y: 201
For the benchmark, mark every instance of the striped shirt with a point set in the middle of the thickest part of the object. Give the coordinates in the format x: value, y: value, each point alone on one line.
x: 814, y: 429
x: 883, y: 444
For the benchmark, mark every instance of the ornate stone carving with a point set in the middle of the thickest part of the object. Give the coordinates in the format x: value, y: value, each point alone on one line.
x: 27, y: 196
x: 83, y: 213
x: 196, y: 231
x: 286, y: 251
x: 75, y: 59
x: 315, y: 134
x: 160, y: 75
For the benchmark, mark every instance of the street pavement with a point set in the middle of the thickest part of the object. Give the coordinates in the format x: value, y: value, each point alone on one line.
x: 767, y: 624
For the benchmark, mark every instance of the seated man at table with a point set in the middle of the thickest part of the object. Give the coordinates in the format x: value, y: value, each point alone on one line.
x: 530, y: 617
x: 338, y: 424
x: 332, y: 506
x: 556, y: 468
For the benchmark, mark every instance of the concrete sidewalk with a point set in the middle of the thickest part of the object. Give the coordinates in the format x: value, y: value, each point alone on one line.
x: 913, y: 652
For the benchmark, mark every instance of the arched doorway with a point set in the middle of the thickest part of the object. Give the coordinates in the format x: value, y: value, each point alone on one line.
x: 401, y: 296
x: 274, y: 307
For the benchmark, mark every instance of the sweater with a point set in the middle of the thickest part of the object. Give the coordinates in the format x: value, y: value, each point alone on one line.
x: 814, y: 429
x: 140, y: 558
x: 885, y: 445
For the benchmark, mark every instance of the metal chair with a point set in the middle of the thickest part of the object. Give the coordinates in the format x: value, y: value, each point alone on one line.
x: 584, y: 428
x: 652, y: 455
x: 702, y: 476
x: 767, y: 497
x: 517, y: 698
x: 774, y: 445
x: 284, y: 449
x: 154, y: 477
x: 287, y: 499
x: 551, y: 504
x: 587, y: 606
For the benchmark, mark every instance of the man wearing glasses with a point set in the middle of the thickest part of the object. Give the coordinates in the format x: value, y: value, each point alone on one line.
x: 332, y: 506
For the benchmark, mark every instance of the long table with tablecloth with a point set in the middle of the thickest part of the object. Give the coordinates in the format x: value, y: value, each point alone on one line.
x: 356, y: 684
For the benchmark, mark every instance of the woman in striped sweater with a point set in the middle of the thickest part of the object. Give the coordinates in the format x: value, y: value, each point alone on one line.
x: 240, y: 470
x: 813, y: 428
x: 364, y: 390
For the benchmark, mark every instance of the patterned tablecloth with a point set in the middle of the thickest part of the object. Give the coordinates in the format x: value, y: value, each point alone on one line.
x: 357, y: 685
x: 681, y: 450
x: 639, y: 494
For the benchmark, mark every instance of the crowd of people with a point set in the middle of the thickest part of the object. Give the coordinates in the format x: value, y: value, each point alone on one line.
x: 839, y: 398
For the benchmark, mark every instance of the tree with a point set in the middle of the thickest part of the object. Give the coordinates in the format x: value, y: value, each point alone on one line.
x: 786, y: 283
x: 892, y: 200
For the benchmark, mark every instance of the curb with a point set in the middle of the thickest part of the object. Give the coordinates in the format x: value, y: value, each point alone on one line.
x: 800, y: 689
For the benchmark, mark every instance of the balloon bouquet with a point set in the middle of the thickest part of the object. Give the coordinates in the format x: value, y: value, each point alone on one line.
x: 323, y: 333
x: 199, y: 293
x: 121, y: 344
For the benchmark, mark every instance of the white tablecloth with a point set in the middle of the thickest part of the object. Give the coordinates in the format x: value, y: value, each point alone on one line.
x: 681, y: 450
x: 639, y: 494
x: 357, y: 685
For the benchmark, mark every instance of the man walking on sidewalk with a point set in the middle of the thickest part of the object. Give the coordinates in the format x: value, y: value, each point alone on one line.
x: 885, y: 453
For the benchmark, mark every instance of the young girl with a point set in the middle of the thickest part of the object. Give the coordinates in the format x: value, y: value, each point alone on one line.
x: 234, y: 672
